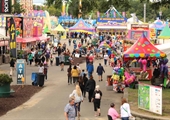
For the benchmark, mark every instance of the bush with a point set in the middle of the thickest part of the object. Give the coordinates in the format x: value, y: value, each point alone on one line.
x: 5, y: 78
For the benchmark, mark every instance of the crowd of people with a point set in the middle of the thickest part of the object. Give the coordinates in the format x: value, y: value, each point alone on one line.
x: 84, y: 81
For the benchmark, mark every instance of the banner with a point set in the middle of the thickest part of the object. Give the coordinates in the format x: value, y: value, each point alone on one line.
x: 21, y: 71
x: 12, y: 33
x: 5, y: 6
x: 18, y: 25
x: 150, y: 98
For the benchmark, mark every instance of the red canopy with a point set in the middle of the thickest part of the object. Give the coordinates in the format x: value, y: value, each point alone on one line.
x: 143, y: 48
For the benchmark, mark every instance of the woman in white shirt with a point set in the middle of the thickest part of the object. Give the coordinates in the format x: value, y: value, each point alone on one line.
x: 106, y: 57
x: 41, y: 68
x: 125, y: 110
x: 77, y: 94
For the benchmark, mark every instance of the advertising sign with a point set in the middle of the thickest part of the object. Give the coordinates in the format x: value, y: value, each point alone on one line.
x: 139, y: 26
x: 12, y: 33
x: 18, y: 25
x: 21, y: 71
x: 150, y: 98
x: 135, y: 35
x: 5, y: 6
x: 28, y: 27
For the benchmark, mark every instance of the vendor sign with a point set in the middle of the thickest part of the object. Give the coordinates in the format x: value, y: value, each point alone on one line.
x: 18, y: 25
x: 5, y: 6
x: 21, y: 71
x: 12, y: 31
x: 150, y: 98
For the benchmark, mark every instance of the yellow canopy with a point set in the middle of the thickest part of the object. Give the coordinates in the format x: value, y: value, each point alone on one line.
x: 59, y: 28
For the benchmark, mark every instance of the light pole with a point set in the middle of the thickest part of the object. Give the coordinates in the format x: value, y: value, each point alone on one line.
x: 144, y: 12
x: 160, y: 15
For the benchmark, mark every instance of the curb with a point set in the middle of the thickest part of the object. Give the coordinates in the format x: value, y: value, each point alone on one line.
x: 139, y: 116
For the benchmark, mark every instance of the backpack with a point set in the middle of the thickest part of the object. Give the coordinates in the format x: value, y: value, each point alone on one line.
x: 97, y: 95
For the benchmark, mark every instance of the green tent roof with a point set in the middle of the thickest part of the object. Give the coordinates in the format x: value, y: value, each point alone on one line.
x: 165, y: 34
x: 46, y: 30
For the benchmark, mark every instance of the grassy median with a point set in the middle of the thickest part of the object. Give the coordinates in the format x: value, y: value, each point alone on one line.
x: 133, y: 100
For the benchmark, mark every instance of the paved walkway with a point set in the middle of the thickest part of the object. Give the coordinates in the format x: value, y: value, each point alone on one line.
x: 49, y: 103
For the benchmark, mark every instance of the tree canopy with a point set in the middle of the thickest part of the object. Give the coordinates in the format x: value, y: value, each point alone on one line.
x: 90, y: 7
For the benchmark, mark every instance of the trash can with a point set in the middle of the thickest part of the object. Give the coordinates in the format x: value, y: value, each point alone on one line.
x: 34, y: 78
x: 57, y: 61
x: 66, y: 60
x: 40, y: 79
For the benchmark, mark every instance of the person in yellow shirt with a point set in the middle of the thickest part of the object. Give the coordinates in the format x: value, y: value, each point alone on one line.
x: 75, y: 74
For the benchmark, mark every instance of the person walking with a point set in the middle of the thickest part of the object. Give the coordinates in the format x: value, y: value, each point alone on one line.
x: 90, y: 87
x: 69, y: 75
x: 41, y: 68
x: 75, y: 74
x: 45, y: 70
x: 30, y: 57
x: 85, y: 79
x: 112, y: 112
x: 90, y: 69
x: 100, y: 71
x: 69, y: 42
x: 51, y: 60
x: 69, y: 110
x: 97, y: 95
x: 62, y: 59
x: 125, y: 110
x: 12, y: 66
x: 106, y: 58
x: 77, y: 94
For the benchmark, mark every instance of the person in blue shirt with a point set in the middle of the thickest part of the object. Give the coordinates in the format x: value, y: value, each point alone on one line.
x: 90, y: 69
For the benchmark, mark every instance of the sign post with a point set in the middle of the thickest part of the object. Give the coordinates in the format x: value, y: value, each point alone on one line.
x: 150, y: 98
x: 21, y: 71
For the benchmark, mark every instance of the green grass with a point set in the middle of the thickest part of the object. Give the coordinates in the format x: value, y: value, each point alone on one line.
x: 133, y: 100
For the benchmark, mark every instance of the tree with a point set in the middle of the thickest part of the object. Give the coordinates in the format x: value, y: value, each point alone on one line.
x: 17, y: 8
x: 52, y: 10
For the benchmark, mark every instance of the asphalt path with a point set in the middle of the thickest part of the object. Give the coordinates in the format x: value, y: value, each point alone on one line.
x: 49, y: 103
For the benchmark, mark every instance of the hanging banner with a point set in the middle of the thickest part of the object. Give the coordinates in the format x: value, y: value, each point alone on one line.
x: 21, y: 71
x: 150, y: 98
x: 5, y: 6
x: 18, y: 25
x: 12, y: 33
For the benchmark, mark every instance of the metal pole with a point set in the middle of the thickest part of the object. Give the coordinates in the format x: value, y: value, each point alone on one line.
x: 144, y: 12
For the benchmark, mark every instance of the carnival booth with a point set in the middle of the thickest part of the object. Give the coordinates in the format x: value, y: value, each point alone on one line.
x: 158, y: 25
x: 81, y: 26
x: 137, y: 30
x: 144, y: 54
x: 59, y: 30
x: 165, y: 34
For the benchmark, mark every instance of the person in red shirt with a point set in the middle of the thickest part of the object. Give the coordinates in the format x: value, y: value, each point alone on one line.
x: 79, y: 45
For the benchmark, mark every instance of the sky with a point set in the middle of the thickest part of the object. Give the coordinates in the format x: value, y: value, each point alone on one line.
x: 38, y: 2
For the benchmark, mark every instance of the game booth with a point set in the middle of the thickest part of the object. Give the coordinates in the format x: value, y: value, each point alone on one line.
x: 137, y: 30
x: 112, y: 22
x: 81, y: 26
x: 143, y: 54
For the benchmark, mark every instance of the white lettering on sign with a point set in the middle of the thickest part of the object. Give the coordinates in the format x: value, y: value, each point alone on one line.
x: 20, y: 71
x: 20, y: 75
x: 6, y: 7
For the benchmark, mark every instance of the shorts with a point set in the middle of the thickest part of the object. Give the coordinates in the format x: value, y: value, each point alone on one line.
x: 61, y: 62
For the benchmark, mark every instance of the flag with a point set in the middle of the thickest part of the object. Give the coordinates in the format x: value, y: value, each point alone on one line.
x: 98, y: 14
x: 124, y: 14
x: 12, y: 33
x: 114, y: 14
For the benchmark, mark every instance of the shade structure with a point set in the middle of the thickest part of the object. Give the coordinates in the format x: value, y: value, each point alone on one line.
x: 143, y: 48
x: 3, y: 37
x: 165, y: 34
x: 59, y: 28
x: 81, y: 25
